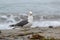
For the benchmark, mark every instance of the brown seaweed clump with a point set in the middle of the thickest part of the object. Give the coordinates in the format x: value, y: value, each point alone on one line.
x: 37, y: 36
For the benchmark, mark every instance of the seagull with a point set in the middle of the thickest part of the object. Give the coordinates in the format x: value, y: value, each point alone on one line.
x: 25, y: 23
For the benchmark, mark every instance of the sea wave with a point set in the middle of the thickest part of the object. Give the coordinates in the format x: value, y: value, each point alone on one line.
x: 18, y: 17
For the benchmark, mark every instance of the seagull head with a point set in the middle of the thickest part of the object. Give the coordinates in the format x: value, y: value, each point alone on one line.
x: 30, y: 13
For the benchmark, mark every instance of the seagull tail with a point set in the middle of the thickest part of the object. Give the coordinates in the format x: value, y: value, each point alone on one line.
x: 12, y: 25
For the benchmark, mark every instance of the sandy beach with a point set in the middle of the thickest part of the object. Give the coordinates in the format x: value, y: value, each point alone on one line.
x: 24, y: 33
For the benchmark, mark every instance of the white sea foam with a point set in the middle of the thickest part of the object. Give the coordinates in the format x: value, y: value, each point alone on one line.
x: 46, y: 23
x: 40, y: 24
x: 5, y: 26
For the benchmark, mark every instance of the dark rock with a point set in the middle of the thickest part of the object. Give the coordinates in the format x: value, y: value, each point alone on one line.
x: 0, y: 32
x: 50, y: 26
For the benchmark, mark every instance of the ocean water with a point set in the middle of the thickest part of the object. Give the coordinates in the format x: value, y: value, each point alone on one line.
x: 45, y: 12
x: 42, y: 7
